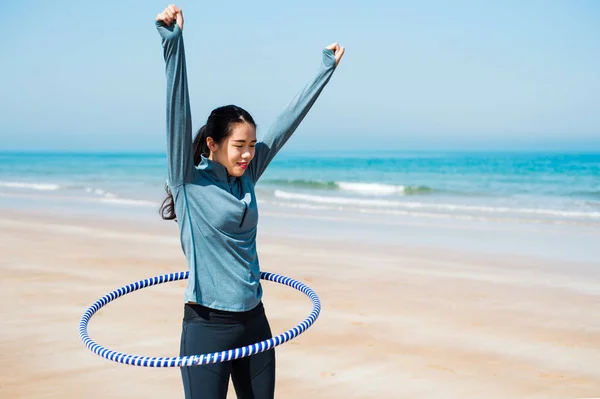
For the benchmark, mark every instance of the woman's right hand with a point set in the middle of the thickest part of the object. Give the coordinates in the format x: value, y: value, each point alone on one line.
x: 170, y: 14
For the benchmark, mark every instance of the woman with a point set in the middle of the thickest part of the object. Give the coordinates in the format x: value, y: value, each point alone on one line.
x: 210, y: 186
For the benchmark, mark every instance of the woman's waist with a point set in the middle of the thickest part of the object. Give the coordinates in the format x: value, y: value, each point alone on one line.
x: 194, y: 310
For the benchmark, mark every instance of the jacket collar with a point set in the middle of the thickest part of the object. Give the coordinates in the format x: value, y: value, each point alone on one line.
x: 216, y: 169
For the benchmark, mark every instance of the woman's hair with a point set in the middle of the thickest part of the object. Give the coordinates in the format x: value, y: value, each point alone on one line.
x: 219, y: 126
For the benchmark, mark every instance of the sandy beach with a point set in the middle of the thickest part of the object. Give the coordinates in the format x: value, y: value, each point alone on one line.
x: 397, y: 321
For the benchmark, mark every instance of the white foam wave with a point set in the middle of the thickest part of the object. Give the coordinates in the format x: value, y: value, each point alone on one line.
x: 302, y: 206
x: 373, y: 203
x: 100, y: 192
x: 32, y: 186
x: 371, y: 188
x: 112, y: 198
x: 127, y: 201
x: 334, y: 200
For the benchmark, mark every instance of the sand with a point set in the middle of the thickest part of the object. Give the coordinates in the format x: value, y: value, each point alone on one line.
x: 397, y: 321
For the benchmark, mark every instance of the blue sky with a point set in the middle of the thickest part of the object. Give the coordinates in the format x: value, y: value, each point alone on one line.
x: 416, y: 75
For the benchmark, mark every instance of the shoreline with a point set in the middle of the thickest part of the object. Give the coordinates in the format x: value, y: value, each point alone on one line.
x: 543, y: 240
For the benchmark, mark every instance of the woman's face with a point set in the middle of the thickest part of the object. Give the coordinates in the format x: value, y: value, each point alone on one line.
x: 236, y: 151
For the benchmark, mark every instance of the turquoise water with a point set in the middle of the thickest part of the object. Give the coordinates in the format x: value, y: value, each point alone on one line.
x: 542, y: 187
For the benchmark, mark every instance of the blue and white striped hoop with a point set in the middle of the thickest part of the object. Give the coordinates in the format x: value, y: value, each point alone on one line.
x: 194, y: 360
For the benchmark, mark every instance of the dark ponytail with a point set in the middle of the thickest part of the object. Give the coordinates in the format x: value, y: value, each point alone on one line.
x: 219, y: 126
x: 199, y: 146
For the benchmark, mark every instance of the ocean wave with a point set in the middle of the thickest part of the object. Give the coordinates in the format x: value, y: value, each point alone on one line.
x: 379, y: 203
x: 382, y: 189
x: 435, y: 215
x: 100, y: 192
x: 335, y: 200
x: 128, y: 201
x: 301, y: 183
x: 32, y: 186
x: 362, y: 188
x: 111, y: 198
x: 56, y: 187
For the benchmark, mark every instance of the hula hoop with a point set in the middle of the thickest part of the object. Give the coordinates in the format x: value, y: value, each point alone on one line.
x: 200, y: 359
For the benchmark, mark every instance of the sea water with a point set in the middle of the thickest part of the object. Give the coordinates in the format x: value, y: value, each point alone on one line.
x: 556, y: 188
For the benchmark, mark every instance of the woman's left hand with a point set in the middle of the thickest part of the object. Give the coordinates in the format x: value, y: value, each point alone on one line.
x: 337, y: 51
x: 171, y: 14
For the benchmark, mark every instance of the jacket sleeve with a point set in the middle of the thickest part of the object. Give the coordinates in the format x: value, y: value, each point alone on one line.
x: 180, y: 160
x: 288, y: 120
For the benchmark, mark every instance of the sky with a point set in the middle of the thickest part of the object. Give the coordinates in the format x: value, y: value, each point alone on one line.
x: 416, y: 75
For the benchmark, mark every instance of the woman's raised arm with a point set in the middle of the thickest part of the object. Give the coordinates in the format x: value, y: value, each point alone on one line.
x: 287, y: 122
x: 180, y: 160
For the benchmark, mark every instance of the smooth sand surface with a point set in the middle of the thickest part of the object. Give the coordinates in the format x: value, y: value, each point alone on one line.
x: 397, y: 322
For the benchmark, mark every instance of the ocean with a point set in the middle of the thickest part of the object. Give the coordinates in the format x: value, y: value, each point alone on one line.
x: 495, y: 186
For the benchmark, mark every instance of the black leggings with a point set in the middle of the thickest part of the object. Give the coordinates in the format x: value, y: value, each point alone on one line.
x: 207, y: 330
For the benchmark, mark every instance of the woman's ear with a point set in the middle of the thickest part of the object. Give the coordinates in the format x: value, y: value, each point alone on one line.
x: 212, y: 146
